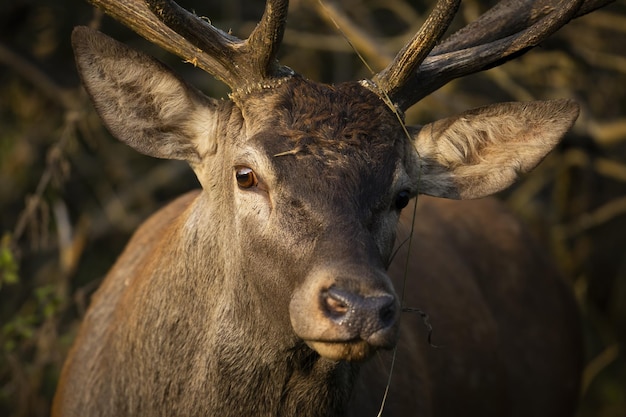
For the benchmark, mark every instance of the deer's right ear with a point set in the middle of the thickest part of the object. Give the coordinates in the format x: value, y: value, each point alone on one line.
x: 483, y: 151
x: 142, y: 102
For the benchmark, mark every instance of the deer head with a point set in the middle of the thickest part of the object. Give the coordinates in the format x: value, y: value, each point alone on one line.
x: 304, y: 182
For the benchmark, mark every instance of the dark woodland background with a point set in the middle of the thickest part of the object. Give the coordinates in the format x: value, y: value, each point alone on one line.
x: 70, y: 194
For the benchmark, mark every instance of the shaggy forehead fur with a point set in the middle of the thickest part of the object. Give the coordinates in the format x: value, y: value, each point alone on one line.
x: 332, y: 123
x: 341, y: 140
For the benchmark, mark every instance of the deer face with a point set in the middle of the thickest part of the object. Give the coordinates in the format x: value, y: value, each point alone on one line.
x: 321, y: 177
x: 335, y: 155
x: 303, y: 182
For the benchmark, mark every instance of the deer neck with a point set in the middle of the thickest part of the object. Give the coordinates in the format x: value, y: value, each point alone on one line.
x: 278, y: 376
x: 275, y: 383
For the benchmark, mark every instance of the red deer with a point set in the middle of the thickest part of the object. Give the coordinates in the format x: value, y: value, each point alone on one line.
x: 265, y: 293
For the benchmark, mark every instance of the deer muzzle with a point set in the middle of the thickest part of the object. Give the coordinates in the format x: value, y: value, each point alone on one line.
x: 346, y: 316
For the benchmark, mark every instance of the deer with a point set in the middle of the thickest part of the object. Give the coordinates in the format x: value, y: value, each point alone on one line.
x: 271, y: 291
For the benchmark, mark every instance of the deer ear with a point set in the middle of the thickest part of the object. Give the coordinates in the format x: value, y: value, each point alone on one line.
x: 483, y: 151
x: 141, y: 101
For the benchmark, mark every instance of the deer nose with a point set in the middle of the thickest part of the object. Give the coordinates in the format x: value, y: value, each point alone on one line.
x: 367, y: 317
x: 346, y: 312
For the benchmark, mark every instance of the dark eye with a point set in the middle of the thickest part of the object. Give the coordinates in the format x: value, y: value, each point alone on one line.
x: 246, y: 178
x: 402, y: 199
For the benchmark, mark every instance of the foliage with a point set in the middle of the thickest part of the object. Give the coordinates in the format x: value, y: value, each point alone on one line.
x: 8, y: 264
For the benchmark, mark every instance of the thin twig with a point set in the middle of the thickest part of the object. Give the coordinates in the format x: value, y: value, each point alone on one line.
x: 363, y: 43
x: 38, y: 78
x: 593, y: 219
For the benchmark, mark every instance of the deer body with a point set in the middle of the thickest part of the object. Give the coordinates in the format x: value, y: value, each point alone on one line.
x: 266, y: 292
x: 493, y: 357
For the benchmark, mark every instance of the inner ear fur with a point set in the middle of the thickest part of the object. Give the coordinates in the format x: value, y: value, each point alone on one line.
x: 141, y: 101
x: 483, y: 151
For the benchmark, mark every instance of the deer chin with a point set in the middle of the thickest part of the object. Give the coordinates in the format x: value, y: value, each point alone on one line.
x: 352, y: 351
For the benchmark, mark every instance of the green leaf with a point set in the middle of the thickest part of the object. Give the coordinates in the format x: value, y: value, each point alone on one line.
x: 8, y: 263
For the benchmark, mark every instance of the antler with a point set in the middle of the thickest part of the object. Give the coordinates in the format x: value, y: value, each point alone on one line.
x: 404, y: 65
x: 239, y: 63
x: 507, y: 30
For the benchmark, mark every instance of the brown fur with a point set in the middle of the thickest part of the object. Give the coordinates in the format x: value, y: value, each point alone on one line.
x: 505, y: 331
x: 506, y: 339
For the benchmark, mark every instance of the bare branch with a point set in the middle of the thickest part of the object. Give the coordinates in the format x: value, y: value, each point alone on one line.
x: 38, y: 78
x: 363, y: 42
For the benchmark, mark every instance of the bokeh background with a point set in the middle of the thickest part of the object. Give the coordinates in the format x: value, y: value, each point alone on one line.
x: 71, y: 195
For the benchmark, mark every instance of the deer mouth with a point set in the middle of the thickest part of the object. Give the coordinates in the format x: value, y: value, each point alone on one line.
x: 353, y: 351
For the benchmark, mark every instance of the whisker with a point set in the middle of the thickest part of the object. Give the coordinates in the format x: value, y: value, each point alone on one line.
x: 396, y: 250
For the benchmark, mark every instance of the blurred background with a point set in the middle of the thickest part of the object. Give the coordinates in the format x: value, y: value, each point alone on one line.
x: 71, y: 195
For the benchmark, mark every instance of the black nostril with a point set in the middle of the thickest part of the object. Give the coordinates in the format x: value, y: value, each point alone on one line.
x: 335, y: 303
x: 346, y: 306
x: 387, y: 312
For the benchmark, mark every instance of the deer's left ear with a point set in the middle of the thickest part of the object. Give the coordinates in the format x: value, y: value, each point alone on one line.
x: 142, y: 102
x: 483, y: 151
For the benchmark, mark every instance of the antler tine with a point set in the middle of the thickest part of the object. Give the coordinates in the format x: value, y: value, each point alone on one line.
x: 506, y: 18
x: 203, y: 36
x: 267, y: 37
x: 238, y: 63
x: 136, y: 15
x: 247, y: 62
x: 507, y: 30
x: 395, y: 75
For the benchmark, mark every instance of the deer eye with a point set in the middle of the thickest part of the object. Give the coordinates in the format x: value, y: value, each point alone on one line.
x: 402, y: 199
x: 246, y: 178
